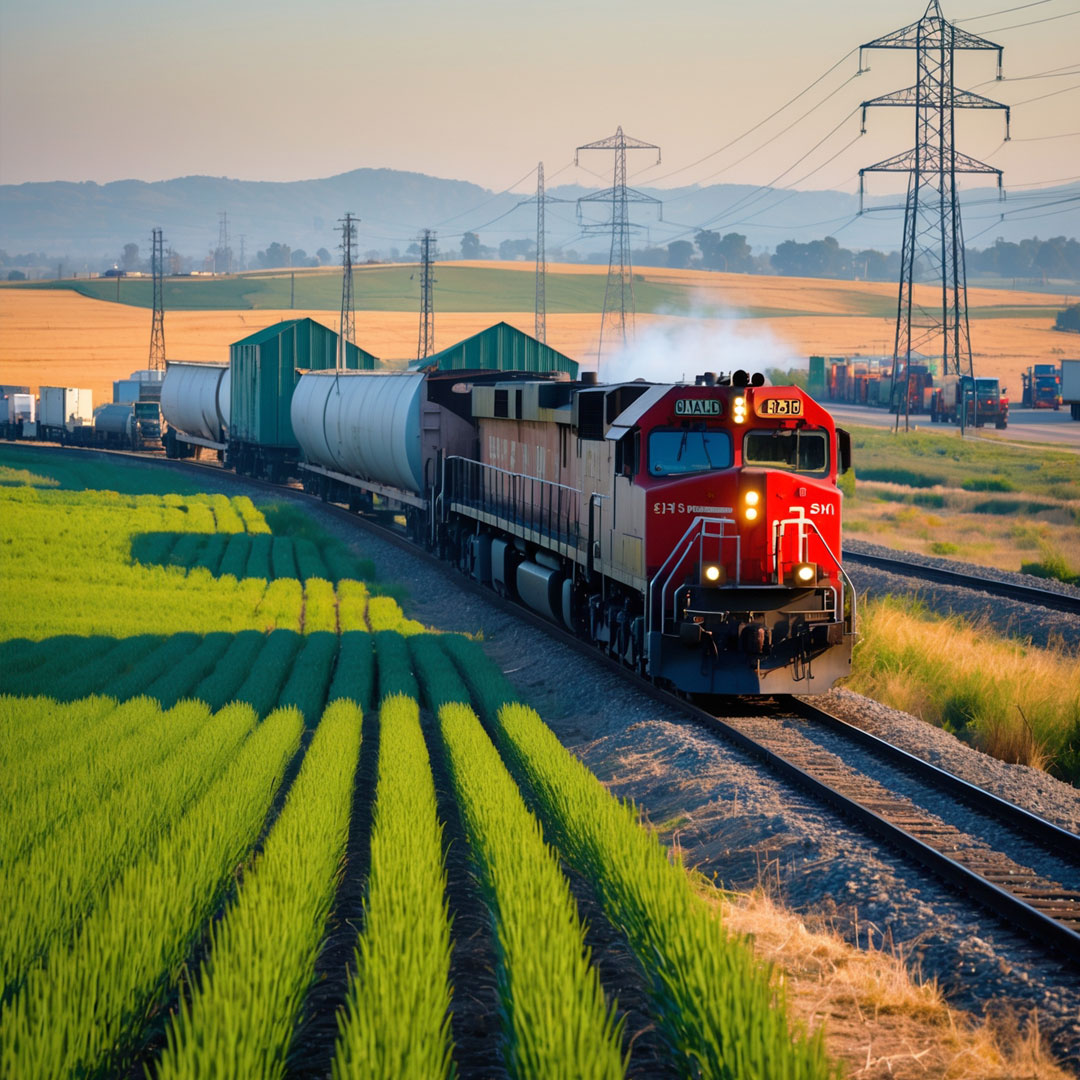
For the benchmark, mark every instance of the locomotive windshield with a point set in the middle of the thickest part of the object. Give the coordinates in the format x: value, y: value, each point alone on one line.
x: 672, y: 452
x: 798, y: 450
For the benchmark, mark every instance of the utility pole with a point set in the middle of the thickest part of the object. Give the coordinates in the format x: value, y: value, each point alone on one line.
x: 540, y: 329
x: 223, y: 256
x: 933, y: 245
x: 348, y: 314
x: 426, y: 344
x: 619, y: 292
x: 157, y: 326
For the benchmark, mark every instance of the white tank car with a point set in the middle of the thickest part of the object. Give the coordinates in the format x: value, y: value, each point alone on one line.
x: 195, y: 401
x: 363, y: 424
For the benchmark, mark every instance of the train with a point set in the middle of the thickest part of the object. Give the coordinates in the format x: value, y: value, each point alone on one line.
x: 692, y: 532
x: 689, y: 531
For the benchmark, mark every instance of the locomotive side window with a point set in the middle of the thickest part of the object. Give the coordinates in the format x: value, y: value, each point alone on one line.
x: 798, y: 450
x: 682, y: 450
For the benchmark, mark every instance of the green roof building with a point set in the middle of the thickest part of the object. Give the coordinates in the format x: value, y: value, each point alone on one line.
x: 501, y: 347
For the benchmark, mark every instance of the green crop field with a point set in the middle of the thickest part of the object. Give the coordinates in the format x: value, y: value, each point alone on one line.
x: 396, y: 288
x: 238, y: 789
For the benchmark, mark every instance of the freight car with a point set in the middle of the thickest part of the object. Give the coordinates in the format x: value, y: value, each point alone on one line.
x: 195, y: 407
x: 690, y: 531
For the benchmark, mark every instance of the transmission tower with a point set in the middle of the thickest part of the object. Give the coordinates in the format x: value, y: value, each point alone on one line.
x: 157, y: 326
x: 243, y: 259
x: 223, y: 255
x: 933, y: 246
x: 540, y: 330
x: 619, y: 293
x: 348, y: 313
x: 426, y: 344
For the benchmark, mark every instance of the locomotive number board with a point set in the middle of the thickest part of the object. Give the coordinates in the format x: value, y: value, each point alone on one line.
x: 779, y: 406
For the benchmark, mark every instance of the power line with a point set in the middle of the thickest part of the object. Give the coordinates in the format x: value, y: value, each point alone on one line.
x: 761, y: 123
x: 1033, y: 22
x: 1043, y: 97
x: 1003, y: 11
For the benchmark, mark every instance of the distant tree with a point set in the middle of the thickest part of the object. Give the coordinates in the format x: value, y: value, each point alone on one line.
x: 517, y: 249
x: 679, y: 254
x: 323, y: 256
x: 470, y: 246
x: 413, y: 250
x: 650, y: 256
x: 16, y: 275
x: 1069, y: 319
x: 130, y: 259
x: 730, y: 252
x: 276, y: 254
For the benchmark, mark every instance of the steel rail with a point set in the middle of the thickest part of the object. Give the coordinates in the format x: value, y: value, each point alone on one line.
x: 1012, y: 909
x: 1028, y: 594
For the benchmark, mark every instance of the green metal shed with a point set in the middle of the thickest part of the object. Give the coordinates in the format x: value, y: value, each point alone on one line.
x: 262, y: 369
x: 501, y: 347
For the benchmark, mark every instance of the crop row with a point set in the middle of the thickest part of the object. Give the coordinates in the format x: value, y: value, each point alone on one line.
x: 244, y: 1008
x: 397, y: 1019
x: 714, y: 1003
x: 78, y: 1011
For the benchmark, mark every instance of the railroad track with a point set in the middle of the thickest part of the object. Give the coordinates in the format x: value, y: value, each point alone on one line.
x: 1047, y: 910
x: 1028, y: 594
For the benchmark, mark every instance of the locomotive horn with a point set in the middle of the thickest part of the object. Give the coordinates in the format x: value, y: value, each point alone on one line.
x: 740, y: 378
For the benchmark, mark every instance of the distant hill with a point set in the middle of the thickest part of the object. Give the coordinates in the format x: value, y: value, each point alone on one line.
x: 89, y: 223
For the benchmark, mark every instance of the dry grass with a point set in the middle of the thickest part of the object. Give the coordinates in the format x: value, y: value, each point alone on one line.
x: 999, y: 540
x: 880, y: 1019
x: 58, y: 337
x: 1016, y: 702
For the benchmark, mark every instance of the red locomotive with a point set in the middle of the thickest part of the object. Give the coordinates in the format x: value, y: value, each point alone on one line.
x: 692, y: 531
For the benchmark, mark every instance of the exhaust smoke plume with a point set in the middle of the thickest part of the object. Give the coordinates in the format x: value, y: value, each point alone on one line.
x: 684, y: 346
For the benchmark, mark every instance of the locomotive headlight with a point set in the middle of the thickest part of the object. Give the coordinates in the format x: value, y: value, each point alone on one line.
x: 713, y: 574
x: 750, y: 513
x: 750, y: 505
x: 752, y: 498
x: 805, y: 573
x: 738, y: 410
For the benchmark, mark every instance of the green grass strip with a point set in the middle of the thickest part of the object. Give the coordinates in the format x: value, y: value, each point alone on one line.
x: 397, y: 1022
x: 354, y: 676
x: 46, y: 894
x: 306, y: 686
x: 242, y: 1015
x: 556, y: 1023
x: 716, y: 1005
x: 79, y: 1013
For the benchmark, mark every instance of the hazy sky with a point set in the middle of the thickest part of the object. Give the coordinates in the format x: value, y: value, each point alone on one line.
x: 482, y: 89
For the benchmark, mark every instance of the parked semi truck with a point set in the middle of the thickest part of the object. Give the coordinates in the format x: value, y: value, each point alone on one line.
x: 1070, y: 386
x: 973, y: 402
x: 1041, y: 387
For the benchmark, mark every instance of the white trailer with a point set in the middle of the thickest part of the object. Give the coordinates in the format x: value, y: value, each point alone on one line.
x: 1070, y: 386
x: 64, y: 408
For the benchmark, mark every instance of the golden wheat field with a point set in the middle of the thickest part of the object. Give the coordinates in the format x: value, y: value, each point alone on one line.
x: 57, y: 337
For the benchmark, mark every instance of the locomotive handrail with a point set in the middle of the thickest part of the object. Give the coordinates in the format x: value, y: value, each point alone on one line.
x: 802, y: 521
x: 545, y: 505
x: 695, y: 531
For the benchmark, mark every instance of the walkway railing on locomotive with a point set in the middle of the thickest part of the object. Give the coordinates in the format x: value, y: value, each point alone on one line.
x: 545, y: 506
x: 841, y: 596
x: 699, y: 530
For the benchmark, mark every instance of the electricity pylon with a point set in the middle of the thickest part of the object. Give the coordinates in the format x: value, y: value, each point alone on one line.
x: 426, y: 344
x: 540, y: 329
x: 157, y: 326
x: 348, y: 313
x: 619, y: 293
x: 933, y: 235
